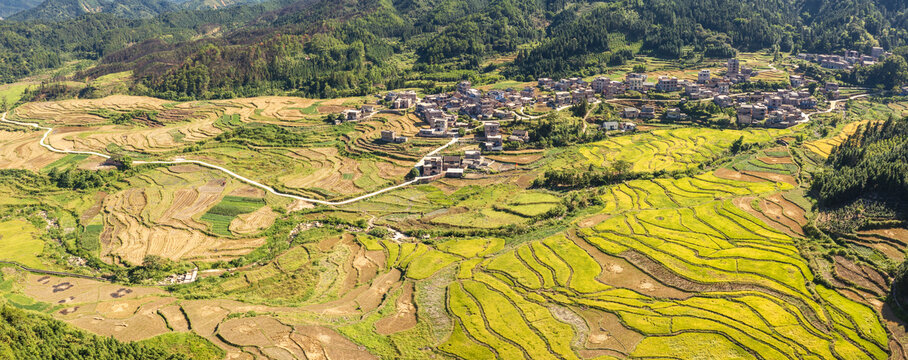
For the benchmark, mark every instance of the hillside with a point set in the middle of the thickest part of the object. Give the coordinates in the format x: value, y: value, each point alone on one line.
x: 454, y: 180
x: 363, y: 44
x: 10, y: 7
x: 55, y: 10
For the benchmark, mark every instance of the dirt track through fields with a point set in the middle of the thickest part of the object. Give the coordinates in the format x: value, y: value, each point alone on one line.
x: 43, y: 142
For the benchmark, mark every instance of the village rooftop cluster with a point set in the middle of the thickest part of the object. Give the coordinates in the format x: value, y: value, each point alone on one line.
x: 848, y: 60
x: 450, y: 114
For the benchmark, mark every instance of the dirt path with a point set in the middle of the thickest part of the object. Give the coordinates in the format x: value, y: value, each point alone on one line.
x: 267, y: 188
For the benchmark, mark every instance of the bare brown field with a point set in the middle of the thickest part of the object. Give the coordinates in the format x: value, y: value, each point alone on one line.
x: 159, y: 215
x: 771, y: 176
x: 520, y: 159
x: 319, y: 342
x: 75, y: 112
x: 606, y: 337
x: 730, y: 174
x: 404, y: 317
x: 253, y: 222
x: 21, y: 150
x: 862, y: 276
x: 776, y: 160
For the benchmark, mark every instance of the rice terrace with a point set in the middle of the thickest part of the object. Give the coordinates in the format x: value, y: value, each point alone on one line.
x: 749, y: 206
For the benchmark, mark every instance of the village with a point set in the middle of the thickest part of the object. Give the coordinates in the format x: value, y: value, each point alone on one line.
x: 455, y: 114
x: 846, y: 61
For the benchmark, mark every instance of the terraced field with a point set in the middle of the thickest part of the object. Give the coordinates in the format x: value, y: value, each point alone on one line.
x: 662, y: 149
x: 823, y: 147
x: 177, y: 212
x: 710, y: 266
x: 707, y: 278
x: 325, y: 161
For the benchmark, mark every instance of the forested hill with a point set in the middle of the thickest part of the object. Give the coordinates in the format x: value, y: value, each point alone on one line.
x: 9, y: 7
x: 872, y: 162
x: 333, y: 48
x: 69, y: 9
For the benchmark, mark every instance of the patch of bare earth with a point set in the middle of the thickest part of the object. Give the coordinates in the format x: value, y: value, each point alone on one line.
x: 404, y: 317
x: 736, y: 175
x: 607, y: 336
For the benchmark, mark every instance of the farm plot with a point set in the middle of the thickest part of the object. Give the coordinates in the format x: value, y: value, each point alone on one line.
x: 19, y: 149
x: 319, y: 172
x: 494, y: 206
x: 669, y: 193
x: 823, y: 147
x: 19, y: 242
x: 166, y: 212
x: 663, y: 149
x: 744, y: 288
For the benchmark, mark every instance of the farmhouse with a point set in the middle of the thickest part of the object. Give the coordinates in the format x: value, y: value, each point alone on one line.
x: 391, y: 137
x: 519, y: 136
x: 610, y: 126
x: 631, y: 113
x: 352, y: 115
x: 647, y: 112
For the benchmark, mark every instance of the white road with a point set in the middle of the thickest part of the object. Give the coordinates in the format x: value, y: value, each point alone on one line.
x: 239, y: 177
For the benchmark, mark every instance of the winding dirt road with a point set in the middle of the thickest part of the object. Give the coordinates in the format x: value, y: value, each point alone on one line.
x: 239, y: 177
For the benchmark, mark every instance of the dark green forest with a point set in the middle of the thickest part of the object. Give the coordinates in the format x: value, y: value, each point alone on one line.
x: 29, y: 335
x: 347, y: 47
x: 872, y: 162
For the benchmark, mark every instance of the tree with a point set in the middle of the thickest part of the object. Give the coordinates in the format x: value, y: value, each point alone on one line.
x: 737, y: 145
x: 621, y: 166
x: 580, y: 109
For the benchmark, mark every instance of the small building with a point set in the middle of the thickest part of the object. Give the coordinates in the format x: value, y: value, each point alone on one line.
x: 391, y: 137
x: 648, y: 112
x: 432, y: 166
x: 519, y: 136
x: 733, y: 66
x: 631, y: 113
x: 808, y: 103
x: 610, y: 126
x: 759, y: 112
x: 452, y: 161
x: 454, y: 173
x: 472, y: 155
x: 635, y: 82
x: 352, y: 115
x: 491, y: 129
x: 464, y: 86
x: 703, y: 76
x: 723, y: 101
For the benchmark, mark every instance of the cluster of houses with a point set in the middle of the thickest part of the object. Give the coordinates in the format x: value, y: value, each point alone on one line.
x: 453, y: 165
x: 783, y: 108
x: 401, y: 100
x: 848, y: 60
x: 358, y: 114
x: 440, y: 111
x: 574, y: 90
x: 186, y: 278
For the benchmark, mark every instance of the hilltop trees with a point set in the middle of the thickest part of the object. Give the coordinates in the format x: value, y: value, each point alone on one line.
x: 872, y: 161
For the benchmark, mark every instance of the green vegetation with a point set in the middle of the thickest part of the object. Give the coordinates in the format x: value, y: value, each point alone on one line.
x: 27, y: 335
x: 225, y: 211
x: 871, y: 161
x: 191, y: 345
x: 20, y: 242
